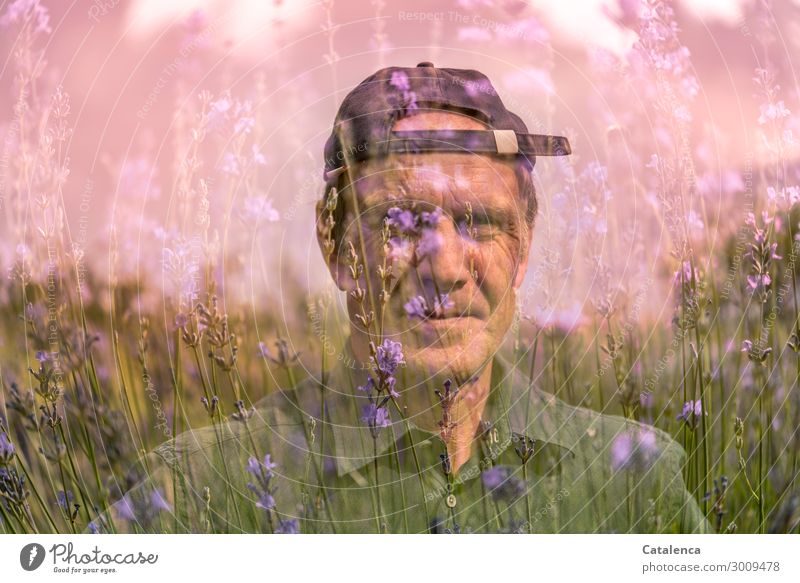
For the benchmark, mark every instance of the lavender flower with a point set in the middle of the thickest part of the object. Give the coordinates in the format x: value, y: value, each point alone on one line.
x: 634, y: 449
x: 403, y: 220
x: 386, y: 358
x: 258, y: 210
x: 399, y: 81
x: 417, y: 307
x: 244, y: 125
x: 65, y: 500
x: 262, y: 471
x: 375, y: 417
x: 142, y: 507
x: 761, y: 254
x: 772, y: 111
x: 24, y: 10
x: 290, y: 526
x: 230, y: 164
x: 502, y: 484
x: 429, y: 243
x: 400, y: 249
x: 691, y: 413
x: 158, y: 502
x: 6, y: 450
x: 13, y: 491
x: 408, y: 99
x: 389, y: 356
x: 420, y: 228
x: 430, y: 219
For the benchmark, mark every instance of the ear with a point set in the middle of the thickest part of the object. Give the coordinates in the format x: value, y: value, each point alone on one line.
x: 524, y: 253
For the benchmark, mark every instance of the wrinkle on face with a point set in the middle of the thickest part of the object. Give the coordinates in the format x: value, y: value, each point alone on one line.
x: 478, y: 273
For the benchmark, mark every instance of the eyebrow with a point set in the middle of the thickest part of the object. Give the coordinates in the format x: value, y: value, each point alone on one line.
x: 506, y: 211
x: 502, y: 212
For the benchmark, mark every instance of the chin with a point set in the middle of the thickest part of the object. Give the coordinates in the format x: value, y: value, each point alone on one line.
x: 464, y: 357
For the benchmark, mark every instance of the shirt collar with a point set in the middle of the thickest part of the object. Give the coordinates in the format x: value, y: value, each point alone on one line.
x: 515, y: 406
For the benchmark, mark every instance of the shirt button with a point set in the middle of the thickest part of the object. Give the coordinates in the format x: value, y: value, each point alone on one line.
x: 450, y: 501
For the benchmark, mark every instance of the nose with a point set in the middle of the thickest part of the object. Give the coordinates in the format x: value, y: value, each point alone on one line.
x: 444, y: 258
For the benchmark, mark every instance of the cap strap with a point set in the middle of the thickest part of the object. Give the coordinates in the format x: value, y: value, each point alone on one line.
x: 506, y: 141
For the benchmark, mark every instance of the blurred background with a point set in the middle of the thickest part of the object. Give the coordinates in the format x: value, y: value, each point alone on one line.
x: 133, y: 72
x: 160, y: 163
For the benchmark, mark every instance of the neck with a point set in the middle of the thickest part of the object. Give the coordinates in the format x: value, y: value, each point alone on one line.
x: 418, y: 398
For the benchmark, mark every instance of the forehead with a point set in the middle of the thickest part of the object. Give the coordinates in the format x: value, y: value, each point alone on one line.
x: 447, y: 180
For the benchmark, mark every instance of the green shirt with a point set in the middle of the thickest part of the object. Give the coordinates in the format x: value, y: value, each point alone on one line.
x: 587, y: 472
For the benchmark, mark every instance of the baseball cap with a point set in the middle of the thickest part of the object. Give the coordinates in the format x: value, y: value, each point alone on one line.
x: 363, y: 125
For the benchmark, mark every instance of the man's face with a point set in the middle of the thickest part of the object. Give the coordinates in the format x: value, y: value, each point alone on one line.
x: 479, y: 269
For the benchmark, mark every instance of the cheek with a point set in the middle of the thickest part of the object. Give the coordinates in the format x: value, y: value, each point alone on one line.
x: 495, y: 263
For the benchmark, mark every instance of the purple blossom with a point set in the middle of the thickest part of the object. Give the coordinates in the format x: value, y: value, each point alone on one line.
x: 685, y: 274
x: 181, y: 320
x: 429, y: 243
x: 257, y: 210
x: 262, y: 471
x: 142, y: 507
x: 408, y: 99
x: 158, y: 502
x: 125, y: 509
x: 6, y: 450
x: 375, y: 417
x: 441, y: 304
x: 265, y: 500
x: 367, y: 387
x: 400, y: 249
x: 220, y: 106
x: 257, y: 156
x: 417, y: 307
x: 772, y: 111
x: 634, y: 449
x: 65, y: 500
x: 389, y: 356
x: 691, y: 413
x: 230, y: 164
x: 290, y: 526
x: 430, y: 219
x: 244, y: 125
x: 502, y: 484
x: 23, y: 10
x: 755, y: 281
x: 389, y: 385
x: 399, y: 81
x: 402, y: 219
x: 386, y: 358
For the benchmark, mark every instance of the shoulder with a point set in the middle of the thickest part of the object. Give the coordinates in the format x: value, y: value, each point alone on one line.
x: 625, y: 455
x: 272, y: 424
x: 626, y: 441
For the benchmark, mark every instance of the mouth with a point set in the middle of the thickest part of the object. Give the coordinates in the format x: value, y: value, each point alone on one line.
x: 450, y: 323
